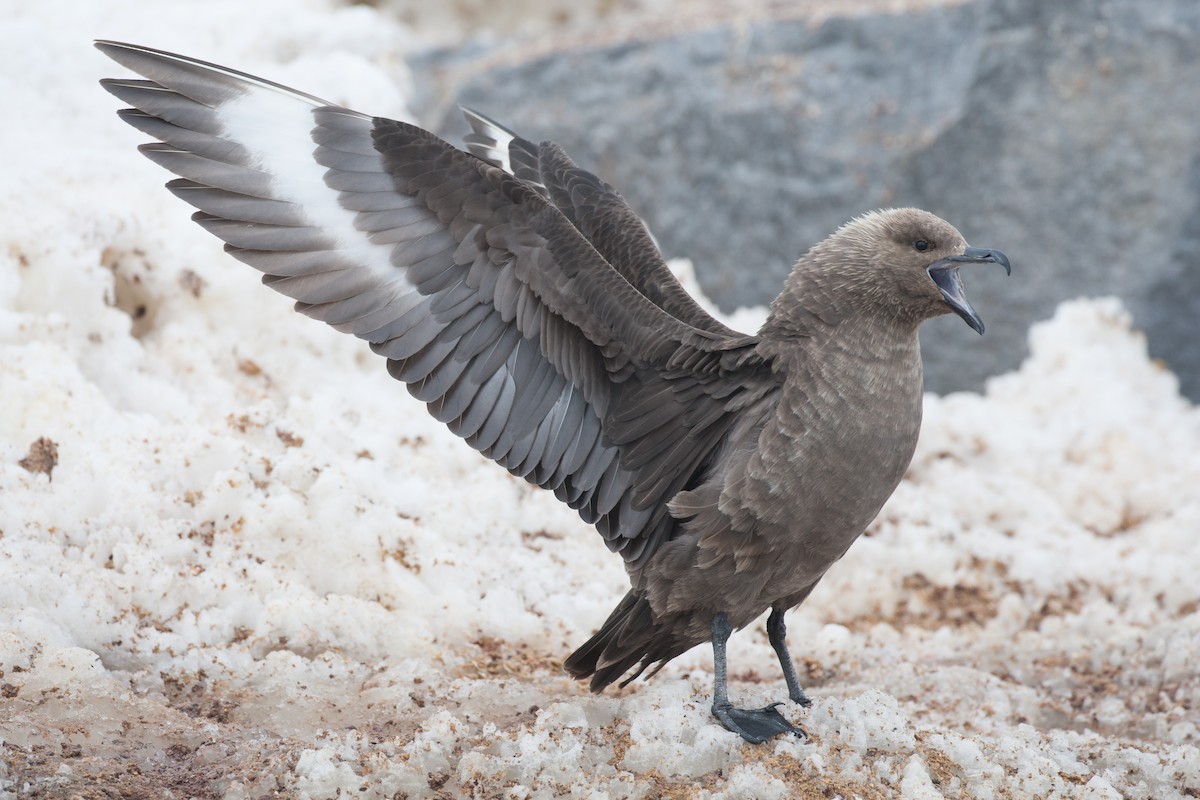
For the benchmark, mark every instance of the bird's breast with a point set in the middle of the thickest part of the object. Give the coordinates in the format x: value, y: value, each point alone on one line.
x: 833, y: 451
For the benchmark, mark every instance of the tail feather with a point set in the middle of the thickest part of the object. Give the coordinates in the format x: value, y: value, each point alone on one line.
x: 630, y: 639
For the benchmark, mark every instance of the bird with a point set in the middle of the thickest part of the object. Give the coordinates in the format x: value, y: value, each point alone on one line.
x: 526, y: 304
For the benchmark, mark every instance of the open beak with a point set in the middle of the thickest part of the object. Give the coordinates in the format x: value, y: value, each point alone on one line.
x: 945, y: 274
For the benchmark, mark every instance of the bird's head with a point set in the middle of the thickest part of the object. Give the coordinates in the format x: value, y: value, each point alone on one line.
x: 901, y: 263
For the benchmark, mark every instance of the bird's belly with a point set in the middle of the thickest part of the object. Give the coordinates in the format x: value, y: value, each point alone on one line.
x: 823, y: 511
x: 790, y: 525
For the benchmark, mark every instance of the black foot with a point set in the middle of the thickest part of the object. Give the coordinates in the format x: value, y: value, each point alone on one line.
x: 757, y: 725
x: 801, y: 699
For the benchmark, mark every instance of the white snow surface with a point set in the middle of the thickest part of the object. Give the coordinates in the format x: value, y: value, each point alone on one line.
x: 259, y: 568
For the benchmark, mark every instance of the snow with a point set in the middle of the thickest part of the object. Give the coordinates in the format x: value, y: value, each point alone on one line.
x: 257, y: 567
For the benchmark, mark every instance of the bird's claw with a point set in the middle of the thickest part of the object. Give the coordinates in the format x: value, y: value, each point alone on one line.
x: 756, y: 725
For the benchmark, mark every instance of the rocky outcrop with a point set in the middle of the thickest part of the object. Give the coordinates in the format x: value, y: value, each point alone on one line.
x: 1067, y: 134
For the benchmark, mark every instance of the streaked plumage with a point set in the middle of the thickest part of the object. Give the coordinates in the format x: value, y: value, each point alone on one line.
x: 523, y: 301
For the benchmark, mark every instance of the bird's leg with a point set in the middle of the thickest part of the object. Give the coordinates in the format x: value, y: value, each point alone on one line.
x: 777, y: 634
x: 755, y: 726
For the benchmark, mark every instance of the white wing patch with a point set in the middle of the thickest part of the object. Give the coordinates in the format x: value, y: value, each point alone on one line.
x: 276, y: 129
x: 490, y: 138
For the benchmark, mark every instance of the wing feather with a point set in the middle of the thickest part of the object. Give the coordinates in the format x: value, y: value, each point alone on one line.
x: 250, y: 235
x: 204, y: 171
x: 236, y: 205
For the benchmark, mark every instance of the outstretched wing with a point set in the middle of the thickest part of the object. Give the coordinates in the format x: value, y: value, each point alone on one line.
x: 486, y: 300
x: 596, y: 209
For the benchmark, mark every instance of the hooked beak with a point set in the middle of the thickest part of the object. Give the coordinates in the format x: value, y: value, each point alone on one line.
x: 945, y: 274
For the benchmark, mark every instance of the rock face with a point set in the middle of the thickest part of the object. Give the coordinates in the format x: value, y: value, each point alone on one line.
x: 1065, y: 133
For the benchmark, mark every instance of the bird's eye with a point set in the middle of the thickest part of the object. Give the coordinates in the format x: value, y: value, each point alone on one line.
x: 921, y: 245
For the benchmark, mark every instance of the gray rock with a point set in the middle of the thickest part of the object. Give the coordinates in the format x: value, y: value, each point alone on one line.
x: 1065, y: 133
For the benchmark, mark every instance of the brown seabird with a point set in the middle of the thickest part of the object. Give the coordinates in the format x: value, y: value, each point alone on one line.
x: 524, y: 302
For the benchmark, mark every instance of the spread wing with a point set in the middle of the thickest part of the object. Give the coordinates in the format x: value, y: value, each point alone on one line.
x: 596, y: 209
x: 496, y: 310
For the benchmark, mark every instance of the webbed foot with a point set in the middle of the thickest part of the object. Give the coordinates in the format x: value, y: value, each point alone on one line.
x: 755, y: 725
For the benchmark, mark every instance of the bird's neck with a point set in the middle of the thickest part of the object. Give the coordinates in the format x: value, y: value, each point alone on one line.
x: 856, y: 356
x: 850, y: 349
x: 822, y: 296
x: 827, y: 294
x: 811, y: 312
